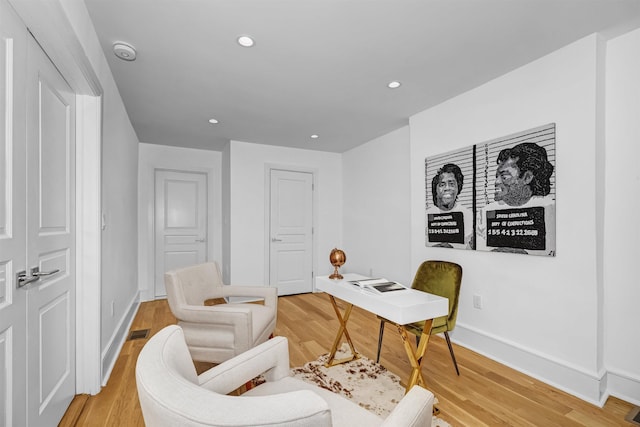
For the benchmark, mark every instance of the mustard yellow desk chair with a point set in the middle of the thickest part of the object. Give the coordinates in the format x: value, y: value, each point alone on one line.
x: 441, y: 278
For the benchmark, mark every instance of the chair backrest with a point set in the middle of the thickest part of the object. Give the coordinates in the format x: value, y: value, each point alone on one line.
x: 170, y: 394
x: 193, y: 285
x: 164, y: 367
x: 441, y: 278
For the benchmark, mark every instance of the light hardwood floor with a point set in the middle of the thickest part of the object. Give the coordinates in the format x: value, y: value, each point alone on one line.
x: 485, y: 394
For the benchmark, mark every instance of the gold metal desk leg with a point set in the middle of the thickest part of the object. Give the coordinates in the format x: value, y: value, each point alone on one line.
x: 341, y: 331
x: 416, y: 356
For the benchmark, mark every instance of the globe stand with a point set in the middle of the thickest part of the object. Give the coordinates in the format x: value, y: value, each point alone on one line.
x: 336, y: 275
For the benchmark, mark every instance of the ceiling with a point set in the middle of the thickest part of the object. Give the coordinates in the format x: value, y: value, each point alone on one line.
x: 322, y: 66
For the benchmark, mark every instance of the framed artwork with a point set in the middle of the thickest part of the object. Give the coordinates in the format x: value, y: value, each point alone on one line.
x: 495, y: 196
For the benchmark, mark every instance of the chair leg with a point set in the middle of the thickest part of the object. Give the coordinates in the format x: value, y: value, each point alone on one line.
x: 380, y: 340
x: 453, y: 357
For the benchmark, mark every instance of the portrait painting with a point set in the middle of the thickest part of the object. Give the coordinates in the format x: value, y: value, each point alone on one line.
x: 504, y: 190
x: 449, y: 200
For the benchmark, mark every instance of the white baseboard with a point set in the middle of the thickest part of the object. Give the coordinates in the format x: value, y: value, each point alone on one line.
x: 112, y: 350
x: 588, y: 386
x: 623, y: 386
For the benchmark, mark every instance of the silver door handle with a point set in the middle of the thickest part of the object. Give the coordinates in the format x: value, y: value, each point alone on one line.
x: 273, y: 239
x: 22, y: 279
x: 200, y: 240
x: 35, y: 271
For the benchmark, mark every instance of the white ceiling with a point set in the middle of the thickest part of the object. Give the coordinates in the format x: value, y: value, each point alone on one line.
x: 322, y: 66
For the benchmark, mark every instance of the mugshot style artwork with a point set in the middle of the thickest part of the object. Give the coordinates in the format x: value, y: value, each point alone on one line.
x: 449, y: 204
x: 495, y: 196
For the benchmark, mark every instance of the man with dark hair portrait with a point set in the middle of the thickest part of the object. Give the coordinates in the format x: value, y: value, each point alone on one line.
x: 446, y: 185
x: 522, y: 217
x: 447, y: 215
x: 523, y: 172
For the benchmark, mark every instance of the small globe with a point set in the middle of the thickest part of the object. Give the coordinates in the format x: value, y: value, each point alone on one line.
x: 337, y: 258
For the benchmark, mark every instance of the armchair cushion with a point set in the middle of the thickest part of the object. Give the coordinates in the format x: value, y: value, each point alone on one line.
x: 343, y: 411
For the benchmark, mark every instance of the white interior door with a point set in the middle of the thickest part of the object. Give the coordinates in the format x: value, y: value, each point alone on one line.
x: 37, y: 320
x: 291, y: 232
x: 50, y: 168
x: 13, y: 250
x: 181, y: 213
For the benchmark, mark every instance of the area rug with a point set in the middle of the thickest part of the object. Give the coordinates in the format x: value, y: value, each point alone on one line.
x: 362, y: 381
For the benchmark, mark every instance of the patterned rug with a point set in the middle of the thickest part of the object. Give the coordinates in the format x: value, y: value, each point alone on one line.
x: 363, y: 381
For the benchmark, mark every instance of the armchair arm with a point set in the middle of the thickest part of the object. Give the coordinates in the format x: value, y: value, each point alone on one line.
x: 415, y: 409
x: 270, y: 358
x: 270, y: 295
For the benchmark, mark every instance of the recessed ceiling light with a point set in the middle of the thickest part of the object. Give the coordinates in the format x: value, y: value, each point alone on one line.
x: 213, y: 121
x: 394, y: 85
x: 314, y: 136
x: 245, y: 41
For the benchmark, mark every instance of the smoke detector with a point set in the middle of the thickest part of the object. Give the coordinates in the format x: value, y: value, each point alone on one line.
x: 124, y: 51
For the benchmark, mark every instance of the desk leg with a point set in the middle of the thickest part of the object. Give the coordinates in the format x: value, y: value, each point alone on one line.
x: 341, y: 331
x: 416, y: 356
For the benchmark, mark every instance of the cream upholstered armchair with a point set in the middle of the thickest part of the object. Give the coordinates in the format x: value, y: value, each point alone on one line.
x: 172, y: 394
x: 215, y: 333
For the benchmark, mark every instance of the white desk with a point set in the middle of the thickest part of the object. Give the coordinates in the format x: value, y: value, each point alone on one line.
x: 399, y: 307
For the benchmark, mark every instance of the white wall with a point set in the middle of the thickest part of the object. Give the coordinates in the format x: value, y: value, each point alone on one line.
x: 248, y: 237
x: 622, y: 229
x: 119, y: 266
x: 376, y: 195
x: 540, y: 314
x: 153, y: 157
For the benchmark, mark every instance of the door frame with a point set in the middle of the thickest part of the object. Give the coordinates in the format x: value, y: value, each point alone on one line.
x: 88, y: 244
x: 268, y: 167
x: 49, y: 23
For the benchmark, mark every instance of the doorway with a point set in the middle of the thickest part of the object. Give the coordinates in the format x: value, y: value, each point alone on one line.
x: 291, y: 231
x: 181, y: 213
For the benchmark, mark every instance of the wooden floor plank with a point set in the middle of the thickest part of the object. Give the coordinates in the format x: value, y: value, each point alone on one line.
x: 74, y: 411
x: 485, y: 394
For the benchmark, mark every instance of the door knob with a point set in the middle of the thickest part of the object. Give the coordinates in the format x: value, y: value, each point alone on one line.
x: 200, y: 240
x: 273, y: 239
